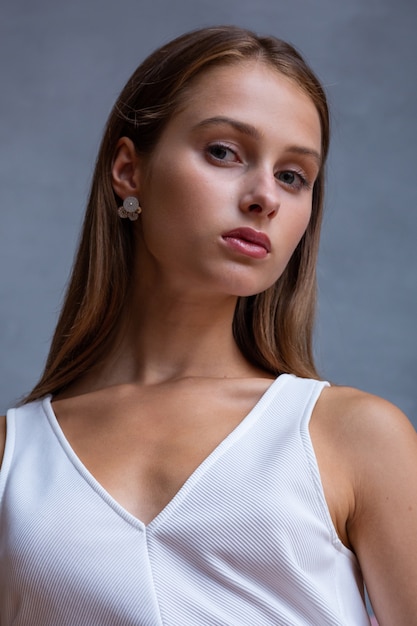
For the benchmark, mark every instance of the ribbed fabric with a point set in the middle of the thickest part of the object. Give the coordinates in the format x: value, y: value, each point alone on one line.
x: 247, y: 541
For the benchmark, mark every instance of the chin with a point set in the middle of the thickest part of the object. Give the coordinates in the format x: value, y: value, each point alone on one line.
x: 242, y: 285
x: 246, y: 292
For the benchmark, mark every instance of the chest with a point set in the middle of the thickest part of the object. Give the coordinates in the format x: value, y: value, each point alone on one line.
x: 251, y: 525
x: 142, y: 448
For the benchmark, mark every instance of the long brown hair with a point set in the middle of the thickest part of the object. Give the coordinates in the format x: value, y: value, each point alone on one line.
x: 274, y: 328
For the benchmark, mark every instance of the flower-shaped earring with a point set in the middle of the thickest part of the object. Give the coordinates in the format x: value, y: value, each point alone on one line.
x: 130, y: 208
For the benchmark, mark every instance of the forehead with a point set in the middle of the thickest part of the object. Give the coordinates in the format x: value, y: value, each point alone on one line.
x: 253, y: 92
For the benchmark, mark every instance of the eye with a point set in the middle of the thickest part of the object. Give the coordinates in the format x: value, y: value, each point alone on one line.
x: 222, y: 152
x: 293, y: 179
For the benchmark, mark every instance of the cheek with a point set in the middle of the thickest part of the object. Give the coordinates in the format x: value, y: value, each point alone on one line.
x: 169, y: 218
x: 299, y: 221
x: 181, y: 198
x: 173, y: 186
x: 304, y: 221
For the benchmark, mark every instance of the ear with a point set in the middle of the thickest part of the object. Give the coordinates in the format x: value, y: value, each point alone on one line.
x: 125, y: 170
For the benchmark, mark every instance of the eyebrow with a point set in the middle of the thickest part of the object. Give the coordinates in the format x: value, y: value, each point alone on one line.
x: 251, y: 131
x: 246, y: 129
x: 305, y: 151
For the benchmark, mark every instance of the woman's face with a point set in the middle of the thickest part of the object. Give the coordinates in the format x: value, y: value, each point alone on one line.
x: 227, y: 192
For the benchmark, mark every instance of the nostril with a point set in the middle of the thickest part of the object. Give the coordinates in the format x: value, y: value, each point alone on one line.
x: 256, y: 208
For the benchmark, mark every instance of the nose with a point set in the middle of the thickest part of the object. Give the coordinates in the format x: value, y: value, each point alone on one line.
x: 261, y: 195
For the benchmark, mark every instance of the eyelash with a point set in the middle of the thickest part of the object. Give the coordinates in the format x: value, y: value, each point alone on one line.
x: 302, y: 184
x: 223, y: 146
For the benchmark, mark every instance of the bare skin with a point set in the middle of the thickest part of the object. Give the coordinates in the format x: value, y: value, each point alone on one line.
x: 367, y: 452
x: 175, y: 384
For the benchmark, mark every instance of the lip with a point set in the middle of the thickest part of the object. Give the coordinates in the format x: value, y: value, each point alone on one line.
x: 248, y: 241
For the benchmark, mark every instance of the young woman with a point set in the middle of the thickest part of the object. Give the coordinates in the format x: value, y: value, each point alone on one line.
x: 180, y: 462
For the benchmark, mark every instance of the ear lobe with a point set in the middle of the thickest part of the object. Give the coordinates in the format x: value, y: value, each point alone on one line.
x: 125, y: 170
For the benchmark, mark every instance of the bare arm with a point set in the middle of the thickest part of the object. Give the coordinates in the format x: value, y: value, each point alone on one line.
x: 382, y: 527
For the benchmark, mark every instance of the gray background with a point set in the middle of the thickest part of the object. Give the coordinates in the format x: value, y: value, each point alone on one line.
x: 62, y: 65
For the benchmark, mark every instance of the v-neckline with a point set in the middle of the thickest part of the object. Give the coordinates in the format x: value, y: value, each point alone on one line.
x: 238, y: 431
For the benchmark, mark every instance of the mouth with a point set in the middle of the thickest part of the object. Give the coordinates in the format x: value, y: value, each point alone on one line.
x: 248, y: 241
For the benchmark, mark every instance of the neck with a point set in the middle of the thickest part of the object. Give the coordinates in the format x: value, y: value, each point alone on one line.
x: 170, y: 336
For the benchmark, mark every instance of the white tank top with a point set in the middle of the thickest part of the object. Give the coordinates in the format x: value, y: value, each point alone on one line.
x: 247, y: 541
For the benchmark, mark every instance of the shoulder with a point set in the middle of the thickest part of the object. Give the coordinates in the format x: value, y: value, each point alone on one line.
x: 368, y: 433
x: 22, y: 414
x: 358, y: 415
x: 363, y: 419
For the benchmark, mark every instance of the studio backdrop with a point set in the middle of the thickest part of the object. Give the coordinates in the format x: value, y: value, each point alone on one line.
x: 62, y: 65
